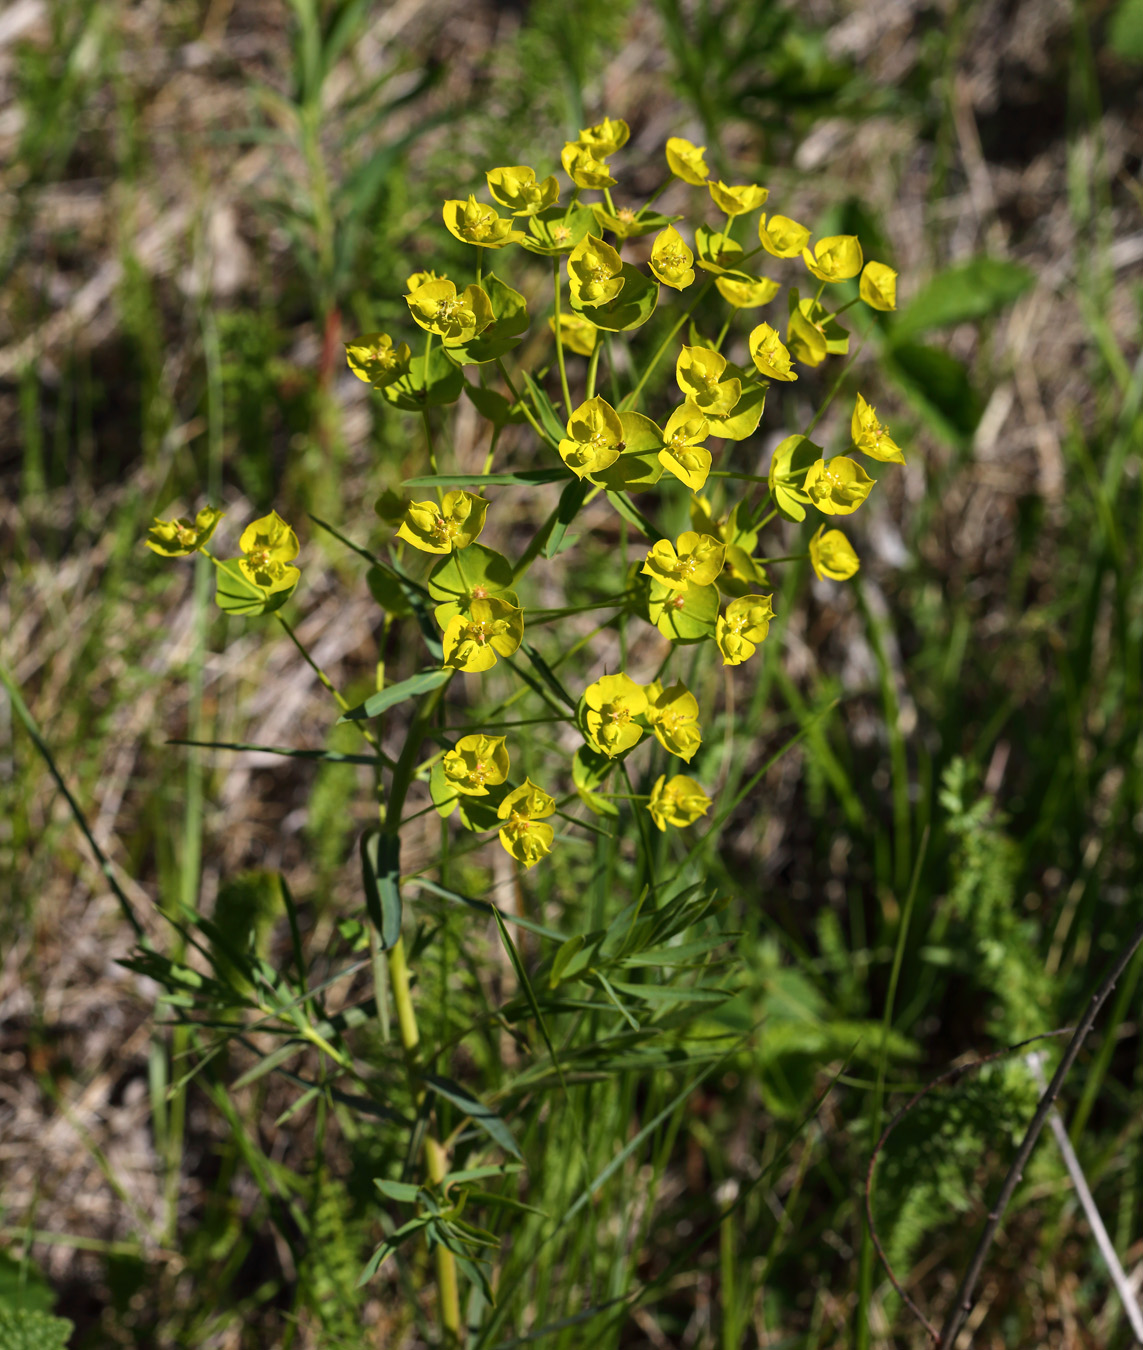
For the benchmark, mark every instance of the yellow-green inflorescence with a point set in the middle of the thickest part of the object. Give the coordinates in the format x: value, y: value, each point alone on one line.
x: 611, y: 264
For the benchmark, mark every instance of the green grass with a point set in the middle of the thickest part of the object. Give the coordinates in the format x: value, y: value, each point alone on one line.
x: 941, y: 865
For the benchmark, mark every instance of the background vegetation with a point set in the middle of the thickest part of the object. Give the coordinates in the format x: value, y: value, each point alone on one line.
x: 199, y: 201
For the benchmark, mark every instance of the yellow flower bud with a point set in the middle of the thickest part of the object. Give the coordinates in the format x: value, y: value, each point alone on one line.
x: 373, y: 358
x: 745, y: 624
x: 679, y: 802
x: 584, y: 167
x: 456, y: 319
x: 770, y: 355
x: 474, y: 223
x: 698, y: 373
x: 832, y: 555
x: 672, y: 260
x: 744, y: 291
x: 475, y: 763
x: 517, y: 189
x: 685, y: 161
x: 737, y: 200
x: 452, y: 524
x: 610, y: 706
x: 594, y: 272
x: 834, y: 258
x: 838, y: 486
x: 178, y: 538
x: 782, y: 237
x: 595, y: 438
x: 491, y: 628
x: 606, y: 137
x: 878, y: 286
x: 269, y: 545
x: 870, y: 437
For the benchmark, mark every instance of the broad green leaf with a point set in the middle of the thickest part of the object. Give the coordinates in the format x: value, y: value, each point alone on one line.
x: 235, y: 595
x: 590, y: 769
x: 444, y: 795
x: 689, y: 616
x: 510, y: 319
x: 454, y: 579
x: 631, y: 308
x: 441, y: 382
x: 638, y: 466
x: 743, y: 418
x: 381, y: 878
x: 391, y: 1244
x: 387, y: 590
x: 962, y: 294
x: 788, y: 468
x: 389, y: 697
x: 1125, y: 33
x: 493, y: 406
x: 482, y: 1115
x: 558, y: 229
x: 33, y: 1330
x: 672, y: 993
x: 939, y: 388
x: 22, y: 1287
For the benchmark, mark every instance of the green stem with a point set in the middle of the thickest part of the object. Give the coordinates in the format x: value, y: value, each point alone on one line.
x: 654, y: 197
x: 539, y: 430
x: 723, y: 332
x: 593, y: 366
x: 559, y: 336
x: 633, y: 397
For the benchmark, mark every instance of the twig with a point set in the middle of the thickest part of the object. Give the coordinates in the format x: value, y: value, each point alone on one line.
x: 1087, y: 1200
x: 947, y: 1077
x: 963, y: 1301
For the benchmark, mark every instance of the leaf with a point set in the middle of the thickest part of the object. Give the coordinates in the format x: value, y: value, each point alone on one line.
x: 939, y: 388
x: 631, y: 308
x: 22, y: 1287
x: 426, y: 387
x: 571, y: 499
x: 267, y: 1064
x: 390, y: 1245
x: 381, y: 876
x: 525, y: 478
x: 235, y: 595
x: 482, y: 1115
x: 493, y: 406
x: 692, y: 621
x: 671, y: 993
x: 551, y: 424
x: 962, y: 294
x: 548, y: 675
x: 1125, y: 33
x: 26, y: 1330
x: 631, y: 513
x: 510, y: 319
x: 743, y: 418
x: 393, y: 694
x: 549, y: 227
x: 401, y: 1191
x: 638, y: 466
x: 563, y: 956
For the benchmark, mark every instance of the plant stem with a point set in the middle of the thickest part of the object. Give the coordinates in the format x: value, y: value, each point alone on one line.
x: 559, y: 335
x: 633, y: 397
x: 593, y: 366
x: 539, y: 430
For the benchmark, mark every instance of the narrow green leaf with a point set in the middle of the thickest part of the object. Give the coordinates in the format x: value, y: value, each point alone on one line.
x: 544, y: 410
x: 381, y: 875
x: 571, y: 499
x: 548, y: 675
x: 397, y: 1190
x: 631, y: 513
x: 393, y: 694
x: 523, y: 478
x: 267, y: 1064
x: 482, y: 1115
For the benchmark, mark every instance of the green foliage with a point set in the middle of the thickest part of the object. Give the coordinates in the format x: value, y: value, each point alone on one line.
x: 33, y: 1330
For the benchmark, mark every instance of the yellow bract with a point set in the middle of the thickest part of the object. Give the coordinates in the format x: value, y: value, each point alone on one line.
x: 832, y: 555
x: 685, y: 161
x: 679, y: 802
x: 683, y: 453
x: 770, y: 355
x: 745, y: 624
x: 736, y: 200
x: 584, y: 167
x: 576, y: 333
x: 373, y: 358
x: 672, y: 714
x: 452, y: 524
x: 523, y: 833
x: 672, y: 260
x: 782, y: 237
x: 870, y: 437
x: 476, y: 762
x: 837, y: 257
x: 744, y: 291
x: 606, y: 137
x: 594, y: 439
x: 178, y: 538
x: 594, y: 271
x: 270, y: 545
x: 878, y: 286
x: 697, y: 561
x: 612, y: 704
x: 516, y: 188
x: 474, y: 223
x: 838, y: 486
x: 456, y: 319
x: 491, y: 628
x: 698, y: 372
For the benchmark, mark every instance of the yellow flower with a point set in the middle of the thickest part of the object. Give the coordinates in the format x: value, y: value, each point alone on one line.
x: 610, y: 707
x: 584, y: 167
x: 417, y: 279
x: 870, y: 437
x: 744, y: 291
x: 476, y: 762
x: 837, y: 487
x: 717, y: 252
x: 373, y: 358
x: 683, y: 453
x: 595, y: 438
x: 685, y: 161
x: 745, y: 624
x: 454, y: 524
x: 577, y: 333
x: 456, y: 319
x: 606, y: 137
x: 523, y: 833
x: 697, y: 562
x: 594, y: 271
x: 474, y: 223
x: 737, y: 200
x: 782, y: 237
x: 770, y: 355
x: 491, y: 628
x: 837, y: 257
x: 672, y: 260
x: 832, y: 555
x: 878, y: 286
x: 789, y: 464
x: 680, y: 802
x: 516, y: 188
x: 178, y: 538
x: 672, y: 714
x: 698, y: 373
x: 270, y: 545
